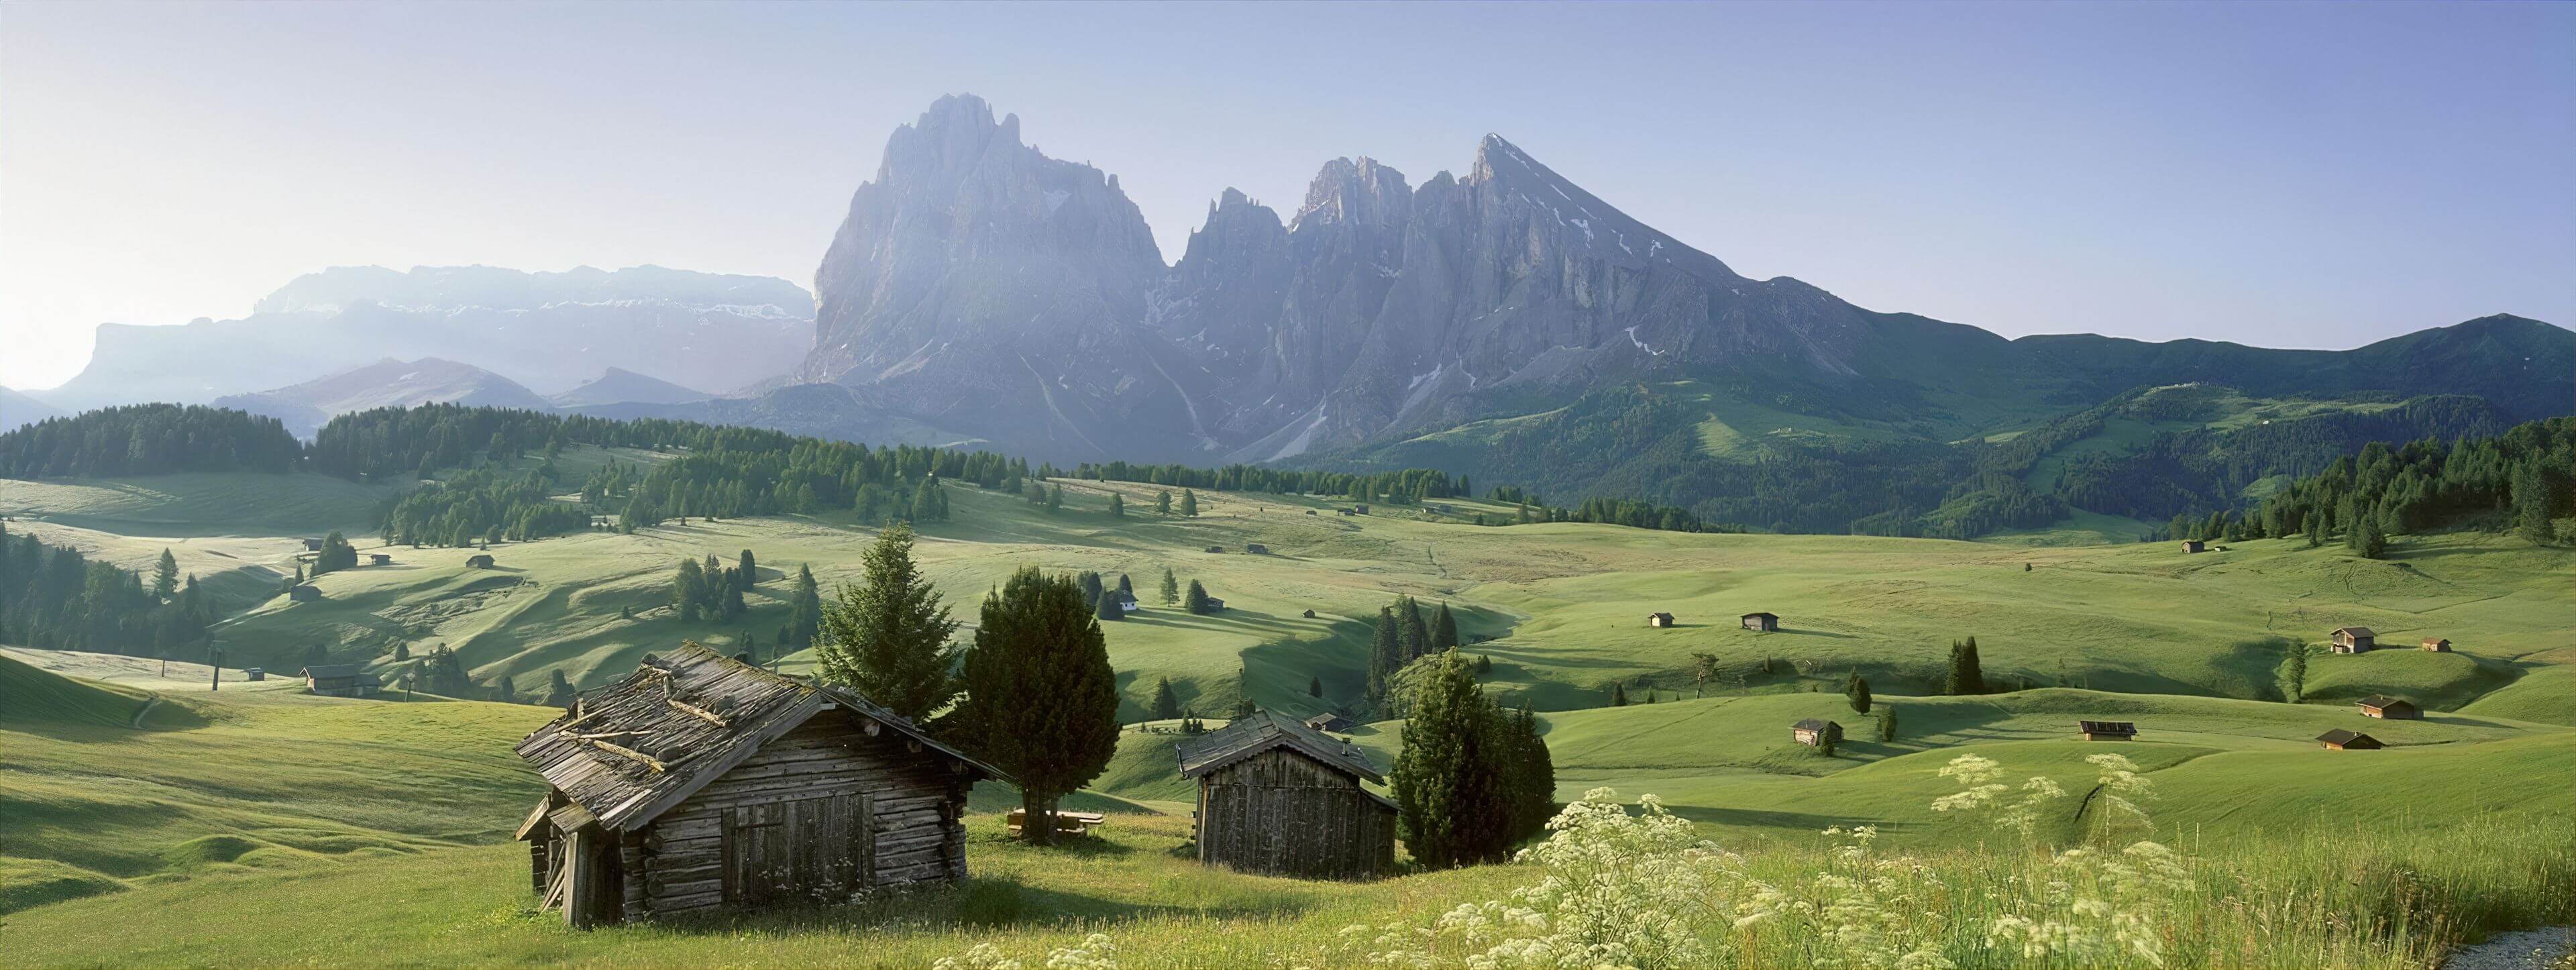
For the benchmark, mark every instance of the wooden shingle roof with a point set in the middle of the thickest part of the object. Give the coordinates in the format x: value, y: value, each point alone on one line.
x: 2358, y: 631
x: 633, y: 750
x: 2341, y: 736
x: 2384, y: 701
x: 1813, y: 724
x: 2106, y: 727
x: 1262, y: 731
x: 331, y: 671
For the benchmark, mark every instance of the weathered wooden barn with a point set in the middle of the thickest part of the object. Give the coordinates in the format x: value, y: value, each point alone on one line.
x: 1815, y: 731
x: 313, y: 545
x: 701, y: 782
x: 1256, y: 548
x: 340, y: 680
x: 2437, y: 644
x: 2107, y: 730
x: 303, y: 593
x: 2351, y: 639
x: 1278, y: 797
x: 2390, y: 708
x: 380, y: 559
x: 479, y: 561
x: 2342, y: 740
x: 1331, y: 722
x: 1761, y: 622
x: 1659, y: 620
x: 2194, y: 545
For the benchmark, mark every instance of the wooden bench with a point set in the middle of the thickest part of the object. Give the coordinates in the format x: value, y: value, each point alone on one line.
x: 1066, y: 823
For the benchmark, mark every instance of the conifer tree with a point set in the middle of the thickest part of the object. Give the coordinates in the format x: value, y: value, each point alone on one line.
x: 1163, y: 502
x: 1166, y: 705
x: 1444, y: 632
x: 559, y: 691
x: 804, y: 609
x: 1530, y: 774
x: 1105, y: 606
x: 1452, y: 804
x: 1196, y: 600
x: 687, y: 590
x: 1055, y: 497
x: 1090, y: 583
x: 749, y: 571
x: 2367, y: 538
x: 1171, y: 587
x: 1411, y: 630
x: 886, y: 636
x: 1887, y: 722
x: 402, y: 652
x: 1315, y: 687
x: 1040, y: 692
x: 165, y: 577
x: 1117, y: 506
x: 1125, y: 586
x: 1965, y: 675
x: 1858, y: 693
x: 1618, y: 695
x: 1386, y: 656
x: 1189, y: 504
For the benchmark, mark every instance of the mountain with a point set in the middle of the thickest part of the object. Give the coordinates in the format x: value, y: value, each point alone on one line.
x: 981, y: 287
x: 18, y: 409
x: 622, y: 386
x: 545, y: 330
x: 386, y: 383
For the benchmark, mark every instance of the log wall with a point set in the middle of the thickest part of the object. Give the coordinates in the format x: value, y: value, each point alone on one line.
x: 1283, y: 813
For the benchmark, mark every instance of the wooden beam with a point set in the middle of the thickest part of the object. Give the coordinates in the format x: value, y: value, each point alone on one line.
x: 695, y: 711
x: 648, y: 760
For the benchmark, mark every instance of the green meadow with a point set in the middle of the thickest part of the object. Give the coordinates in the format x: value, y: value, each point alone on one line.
x: 129, y: 793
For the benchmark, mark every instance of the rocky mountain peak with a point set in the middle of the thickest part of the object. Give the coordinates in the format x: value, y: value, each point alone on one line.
x: 1359, y: 192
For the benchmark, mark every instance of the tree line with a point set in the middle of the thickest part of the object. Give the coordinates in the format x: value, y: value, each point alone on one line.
x: 2518, y: 480
x: 482, y: 505
x: 1403, y: 487
x: 54, y: 598
x: 148, y: 439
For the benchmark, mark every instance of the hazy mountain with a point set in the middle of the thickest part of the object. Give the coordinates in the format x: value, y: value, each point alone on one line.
x: 545, y: 330
x: 18, y: 409
x: 979, y: 286
x: 307, y: 406
x: 621, y: 386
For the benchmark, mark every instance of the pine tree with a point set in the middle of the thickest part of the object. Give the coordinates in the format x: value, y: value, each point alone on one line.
x: 1166, y: 705
x: 2538, y: 493
x: 1196, y: 600
x: 886, y: 637
x: 1315, y: 687
x: 1040, y: 693
x: 1171, y: 587
x: 1055, y: 497
x: 1452, y: 806
x: 2294, y: 672
x: 165, y: 577
x: 1858, y: 693
x: 1386, y: 656
x: 1163, y: 502
x: 1965, y: 676
x: 1090, y: 583
x: 1410, y: 630
x: 1444, y: 631
x: 1618, y: 695
x: 1117, y: 506
x: 508, y: 690
x: 1105, y: 606
x: 1124, y: 586
x: 1189, y: 504
x: 687, y: 589
x: 2368, y: 539
x: 402, y: 652
x: 1887, y: 722
x: 1529, y: 775
x: 559, y: 690
x: 750, y: 571
x: 804, y: 610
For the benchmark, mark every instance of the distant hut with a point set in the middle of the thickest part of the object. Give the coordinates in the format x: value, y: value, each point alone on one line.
x: 1278, y: 797
x: 1216, y: 549
x: 2106, y: 730
x: 2342, y: 740
x: 304, y: 593
x: 2389, y: 708
x: 480, y: 560
x: 700, y: 782
x: 1256, y: 549
x: 1761, y: 622
x: 2194, y: 545
x: 1813, y: 731
x: 2351, y: 639
x: 339, y: 680
x: 1334, y: 723
x: 1126, y: 601
x: 1310, y: 614
x: 2437, y: 644
x: 1659, y: 620
x: 1214, y: 604
x: 313, y: 545
x: 380, y: 559
x: 254, y: 673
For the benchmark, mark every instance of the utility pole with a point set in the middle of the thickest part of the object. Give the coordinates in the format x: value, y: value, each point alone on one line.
x: 215, y: 677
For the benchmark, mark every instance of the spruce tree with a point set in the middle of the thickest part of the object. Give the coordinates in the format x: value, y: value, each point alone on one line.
x: 749, y: 571
x: 1166, y: 705
x: 1315, y: 687
x: 402, y: 652
x: 886, y: 636
x: 1444, y: 630
x: 804, y: 610
x: 165, y: 577
x: 1163, y: 502
x: 1966, y: 677
x: 1125, y: 586
x: 1189, y: 504
x: 1529, y: 774
x: 1887, y: 722
x: 1117, y: 506
x: 1452, y: 806
x: 1055, y: 497
x: 1040, y: 693
x: 1386, y: 656
x: 2294, y: 672
x: 559, y: 691
x: 686, y: 590
x: 1196, y: 601
x: 1858, y: 693
x: 1411, y: 630
x: 1105, y: 606
x: 1618, y: 695
x: 1171, y: 587
x: 1090, y: 583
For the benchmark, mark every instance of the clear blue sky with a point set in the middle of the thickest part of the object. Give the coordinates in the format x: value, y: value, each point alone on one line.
x: 2286, y: 174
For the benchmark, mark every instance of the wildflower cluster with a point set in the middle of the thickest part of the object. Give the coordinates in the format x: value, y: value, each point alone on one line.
x: 2085, y: 905
x: 1095, y: 952
x: 1864, y: 910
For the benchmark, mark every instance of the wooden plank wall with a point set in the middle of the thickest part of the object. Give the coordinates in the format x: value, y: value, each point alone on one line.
x: 1284, y: 813
x: 911, y: 815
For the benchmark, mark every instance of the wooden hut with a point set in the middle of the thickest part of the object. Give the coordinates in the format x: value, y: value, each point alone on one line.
x: 2194, y: 545
x: 1813, y: 731
x: 313, y: 545
x: 1334, y: 723
x: 2342, y: 740
x: 2106, y: 730
x: 2351, y: 639
x: 380, y: 559
x: 339, y: 680
x: 480, y: 560
x: 1659, y: 620
x: 254, y: 673
x: 1216, y: 548
x: 2389, y: 708
x: 1278, y: 797
x: 303, y: 593
x: 2437, y: 644
x: 1256, y: 549
x: 1761, y: 622
x: 700, y: 781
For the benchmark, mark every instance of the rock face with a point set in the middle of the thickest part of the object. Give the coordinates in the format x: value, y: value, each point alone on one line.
x: 551, y: 331
x: 981, y: 285
x: 306, y: 407
x: 621, y: 386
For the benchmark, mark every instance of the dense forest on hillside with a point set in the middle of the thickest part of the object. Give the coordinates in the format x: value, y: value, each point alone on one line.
x: 148, y: 439
x: 1401, y: 487
x: 55, y: 598
x: 2520, y: 479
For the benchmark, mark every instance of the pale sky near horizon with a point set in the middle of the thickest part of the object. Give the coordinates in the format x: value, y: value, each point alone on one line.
x: 2282, y: 174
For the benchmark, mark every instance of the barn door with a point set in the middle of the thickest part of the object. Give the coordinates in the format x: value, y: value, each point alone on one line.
x: 810, y: 847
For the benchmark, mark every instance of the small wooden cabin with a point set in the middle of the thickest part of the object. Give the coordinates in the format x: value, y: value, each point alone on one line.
x: 1214, y: 604
x: 339, y: 680
x: 1256, y: 549
x: 380, y: 559
x: 254, y: 673
x: 2437, y: 644
x: 1813, y: 731
x: 2194, y: 545
x: 2351, y: 639
x: 2342, y: 740
x: 1334, y: 723
x: 701, y: 782
x: 480, y: 560
x: 1216, y: 548
x: 313, y: 545
x: 1659, y: 620
x: 1309, y: 614
x: 1761, y: 622
x: 1281, y: 798
x: 2389, y: 708
x: 2107, y: 730
x: 303, y: 593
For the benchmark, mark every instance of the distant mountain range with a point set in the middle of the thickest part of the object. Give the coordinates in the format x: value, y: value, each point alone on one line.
x: 621, y: 386
x: 19, y: 409
x: 306, y: 407
x: 551, y: 331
